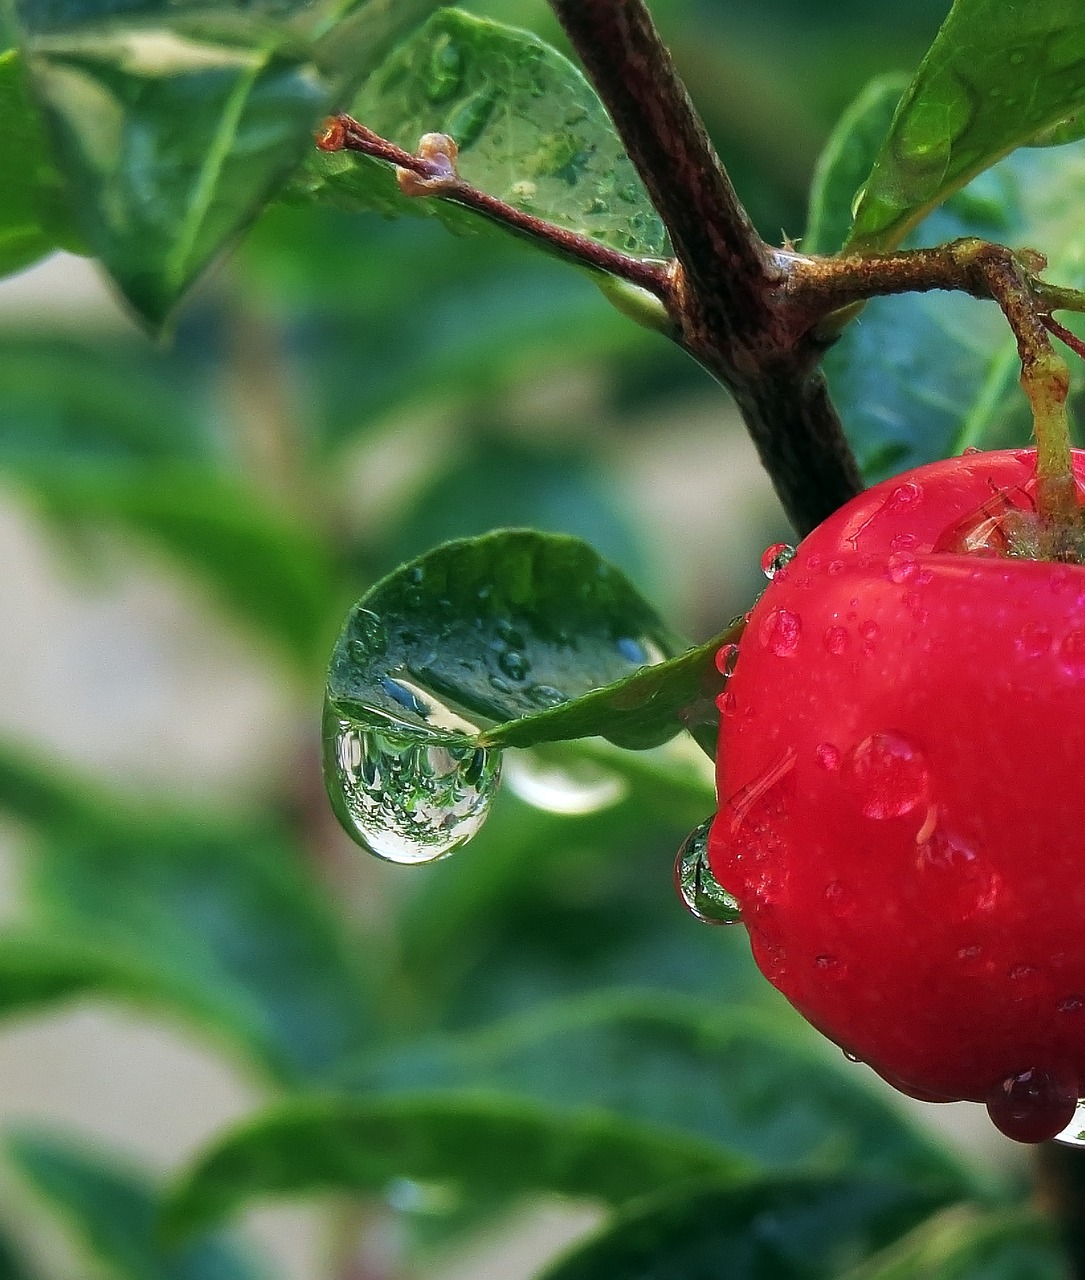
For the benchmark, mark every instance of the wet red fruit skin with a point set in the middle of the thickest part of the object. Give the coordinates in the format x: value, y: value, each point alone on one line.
x: 902, y: 787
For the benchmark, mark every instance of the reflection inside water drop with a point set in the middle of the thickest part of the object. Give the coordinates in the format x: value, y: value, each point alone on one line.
x: 570, y: 784
x: 700, y: 891
x: 1074, y: 1133
x: 406, y: 796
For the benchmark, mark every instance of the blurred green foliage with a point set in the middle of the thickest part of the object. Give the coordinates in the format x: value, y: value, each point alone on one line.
x: 342, y: 394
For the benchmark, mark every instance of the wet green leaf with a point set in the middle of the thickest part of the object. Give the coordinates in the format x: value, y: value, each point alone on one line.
x: 786, y: 1229
x: 922, y: 376
x: 529, y: 127
x: 965, y: 1243
x: 31, y: 203
x: 173, y: 129
x: 112, y: 1211
x: 529, y: 637
x: 845, y: 163
x: 733, y: 1078
x: 471, y: 1145
x: 996, y: 75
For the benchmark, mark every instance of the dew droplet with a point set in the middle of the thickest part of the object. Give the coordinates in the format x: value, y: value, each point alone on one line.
x: 572, y: 786
x: 887, y: 776
x: 902, y: 567
x: 904, y: 497
x: 404, y: 795
x: 1074, y: 1133
x: 828, y: 757
x: 1034, y: 640
x: 836, y: 640
x: 545, y: 695
x: 1072, y: 654
x: 904, y: 542
x: 700, y: 891
x: 725, y: 702
x: 514, y: 664
x: 1033, y: 1105
x: 725, y: 658
x: 1072, y: 1004
x: 775, y: 558
x: 851, y: 1057
x: 831, y: 967
x: 779, y: 632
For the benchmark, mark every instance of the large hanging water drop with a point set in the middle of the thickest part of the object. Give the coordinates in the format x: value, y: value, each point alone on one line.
x: 406, y: 796
x: 700, y: 891
x: 1035, y: 1105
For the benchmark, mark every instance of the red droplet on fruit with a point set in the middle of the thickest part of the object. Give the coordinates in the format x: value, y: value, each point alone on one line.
x: 902, y: 567
x: 776, y: 558
x: 1072, y: 653
x: 904, y: 496
x: 836, y: 640
x: 828, y: 757
x: 725, y: 702
x: 1035, y: 1105
x: 779, y: 632
x: 1034, y: 640
x: 887, y: 776
x: 725, y: 658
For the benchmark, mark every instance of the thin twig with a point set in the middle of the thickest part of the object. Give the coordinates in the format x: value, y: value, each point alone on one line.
x: 1076, y: 345
x: 434, y: 167
x: 728, y: 279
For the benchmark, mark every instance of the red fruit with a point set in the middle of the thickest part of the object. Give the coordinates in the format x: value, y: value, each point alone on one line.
x: 902, y: 787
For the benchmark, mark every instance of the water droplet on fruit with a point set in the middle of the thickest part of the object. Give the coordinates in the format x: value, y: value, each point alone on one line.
x: 725, y: 658
x: 902, y: 567
x: 574, y: 786
x: 828, y: 757
x: 887, y: 776
x: 1034, y: 640
x: 851, y: 1057
x: 779, y: 632
x: 1072, y: 1004
x: 836, y: 640
x: 836, y: 567
x: 831, y: 967
x: 1022, y: 972
x: 1034, y: 1105
x: 775, y: 558
x: 406, y: 796
x: 700, y: 891
x: 725, y: 702
x: 904, y: 497
x: 1072, y: 653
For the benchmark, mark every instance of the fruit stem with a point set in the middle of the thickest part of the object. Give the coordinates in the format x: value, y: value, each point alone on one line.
x: 1045, y: 378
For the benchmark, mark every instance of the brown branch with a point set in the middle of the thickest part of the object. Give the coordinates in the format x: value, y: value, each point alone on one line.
x: 433, y: 170
x: 728, y: 279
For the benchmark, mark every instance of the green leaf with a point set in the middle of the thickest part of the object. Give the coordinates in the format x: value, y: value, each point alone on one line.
x: 529, y: 127
x: 227, y: 926
x: 173, y: 129
x: 996, y: 75
x: 30, y: 196
x: 845, y: 163
x: 480, y: 1145
x: 529, y: 635
x: 220, y: 923
x: 734, y: 1079
x: 964, y: 1243
x: 922, y: 376
x: 786, y: 1229
x: 113, y: 1212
